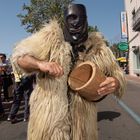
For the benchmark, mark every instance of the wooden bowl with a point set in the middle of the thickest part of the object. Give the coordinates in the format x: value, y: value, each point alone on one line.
x: 85, y: 79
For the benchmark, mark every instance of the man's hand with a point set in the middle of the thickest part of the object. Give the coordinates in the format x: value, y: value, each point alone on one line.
x: 30, y: 64
x: 110, y: 85
x: 52, y: 68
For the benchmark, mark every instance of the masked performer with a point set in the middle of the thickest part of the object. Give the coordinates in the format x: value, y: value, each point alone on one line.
x: 57, y: 113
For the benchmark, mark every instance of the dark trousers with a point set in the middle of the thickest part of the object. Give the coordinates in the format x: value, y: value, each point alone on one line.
x: 7, y: 81
x: 22, y: 89
x: 1, y: 106
x: 5, y: 90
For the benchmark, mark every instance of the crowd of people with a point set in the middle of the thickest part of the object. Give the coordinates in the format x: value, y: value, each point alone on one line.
x: 22, y: 87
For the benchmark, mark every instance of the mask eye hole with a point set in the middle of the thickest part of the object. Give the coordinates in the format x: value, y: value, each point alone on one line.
x: 72, y: 18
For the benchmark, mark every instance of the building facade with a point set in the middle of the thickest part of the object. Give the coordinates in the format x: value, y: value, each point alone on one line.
x: 132, y: 8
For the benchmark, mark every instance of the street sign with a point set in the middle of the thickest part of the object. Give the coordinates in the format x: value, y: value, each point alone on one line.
x: 123, y: 46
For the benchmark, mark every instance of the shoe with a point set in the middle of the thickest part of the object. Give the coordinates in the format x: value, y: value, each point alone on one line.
x: 25, y: 120
x: 8, y: 119
x: 14, y: 120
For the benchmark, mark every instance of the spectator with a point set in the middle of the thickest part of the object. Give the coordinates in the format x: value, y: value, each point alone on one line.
x: 1, y: 105
x: 6, y: 76
x: 23, y: 88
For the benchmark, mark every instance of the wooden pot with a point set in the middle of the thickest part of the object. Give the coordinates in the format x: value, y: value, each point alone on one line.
x: 85, y: 79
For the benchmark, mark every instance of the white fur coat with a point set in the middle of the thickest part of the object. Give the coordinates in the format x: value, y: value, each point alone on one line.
x: 54, y: 115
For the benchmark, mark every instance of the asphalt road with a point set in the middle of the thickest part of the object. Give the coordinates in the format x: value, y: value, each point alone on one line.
x: 114, y: 122
x: 10, y: 131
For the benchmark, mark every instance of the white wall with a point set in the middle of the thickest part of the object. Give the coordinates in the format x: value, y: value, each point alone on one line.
x: 133, y: 37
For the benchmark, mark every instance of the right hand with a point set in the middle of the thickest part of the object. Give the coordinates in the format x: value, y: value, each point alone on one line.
x: 52, y: 68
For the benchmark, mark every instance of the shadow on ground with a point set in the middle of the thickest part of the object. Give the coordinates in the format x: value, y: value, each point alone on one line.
x: 107, y: 115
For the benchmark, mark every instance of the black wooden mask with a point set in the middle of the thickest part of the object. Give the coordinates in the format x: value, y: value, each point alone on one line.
x: 76, y: 25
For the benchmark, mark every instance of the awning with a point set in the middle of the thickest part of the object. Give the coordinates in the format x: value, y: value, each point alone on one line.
x: 122, y: 59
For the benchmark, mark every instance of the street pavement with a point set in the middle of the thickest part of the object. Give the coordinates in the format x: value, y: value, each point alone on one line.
x: 121, y: 121
x: 114, y: 122
x: 17, y: 131
x: 10, y: 131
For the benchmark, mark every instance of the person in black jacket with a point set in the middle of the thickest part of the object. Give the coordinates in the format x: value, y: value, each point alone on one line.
x: 5, y: 76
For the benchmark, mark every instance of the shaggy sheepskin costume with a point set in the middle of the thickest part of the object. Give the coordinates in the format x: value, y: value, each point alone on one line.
x: 56, y: 112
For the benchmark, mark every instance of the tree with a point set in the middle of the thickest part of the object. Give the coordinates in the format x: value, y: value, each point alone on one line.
x: 93, y: 29
x: 39, y: 12
x: 115, y: 50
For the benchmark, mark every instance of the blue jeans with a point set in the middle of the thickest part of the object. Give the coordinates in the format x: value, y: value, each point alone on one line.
x: 22, y: 89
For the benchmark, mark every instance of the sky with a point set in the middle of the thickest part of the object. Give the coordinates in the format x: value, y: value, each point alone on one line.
x: 105, y: 14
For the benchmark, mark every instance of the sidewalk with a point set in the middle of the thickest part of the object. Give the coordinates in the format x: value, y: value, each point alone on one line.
x: 133, y: 78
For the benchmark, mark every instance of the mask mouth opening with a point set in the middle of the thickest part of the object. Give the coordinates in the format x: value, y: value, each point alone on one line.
x: 75, y: 30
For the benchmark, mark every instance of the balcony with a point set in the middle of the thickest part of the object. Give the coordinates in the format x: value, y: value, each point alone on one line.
x: 136, y: 20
